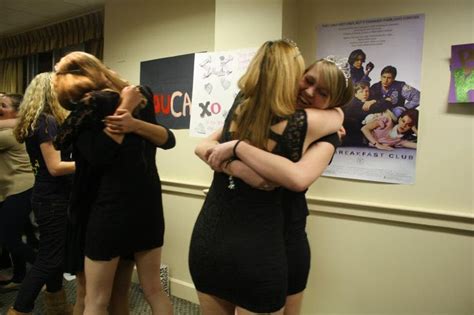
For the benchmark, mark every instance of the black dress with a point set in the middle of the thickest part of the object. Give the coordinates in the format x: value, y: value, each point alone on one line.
x: 237, y: 250
x: 116, y: 204
x: 295, y: 209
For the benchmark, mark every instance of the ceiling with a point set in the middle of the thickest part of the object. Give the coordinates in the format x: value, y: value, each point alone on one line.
x: 17, y: 16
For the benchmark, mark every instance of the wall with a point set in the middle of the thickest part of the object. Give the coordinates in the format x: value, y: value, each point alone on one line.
x: 376, y: 248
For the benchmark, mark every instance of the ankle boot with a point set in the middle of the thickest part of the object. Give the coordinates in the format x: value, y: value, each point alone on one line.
x: 56, y: 303
x: 12, y: 311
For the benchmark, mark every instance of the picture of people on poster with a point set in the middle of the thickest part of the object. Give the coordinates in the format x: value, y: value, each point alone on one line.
x: 381, y: 122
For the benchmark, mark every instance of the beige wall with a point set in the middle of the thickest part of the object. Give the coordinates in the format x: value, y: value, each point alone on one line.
x: 376, y: 248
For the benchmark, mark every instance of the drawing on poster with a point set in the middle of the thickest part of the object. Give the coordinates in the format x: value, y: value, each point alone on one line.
x: 461, y: 89
x: 215, y: 87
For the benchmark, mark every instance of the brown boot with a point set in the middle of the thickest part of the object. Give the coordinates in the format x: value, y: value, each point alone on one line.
x: 12, y: 311
x: 56, y: 303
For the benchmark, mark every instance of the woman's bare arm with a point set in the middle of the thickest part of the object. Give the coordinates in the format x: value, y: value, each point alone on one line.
x: 296, y: 176
x: 52, y: 158
x: 235, y: 168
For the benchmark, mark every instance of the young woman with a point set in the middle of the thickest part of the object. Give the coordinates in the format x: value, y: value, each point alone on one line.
x: 39, y: 118
x: 237, y: 254
x: 116, y: 157
x: 324, y: 85
x: 16, y: 181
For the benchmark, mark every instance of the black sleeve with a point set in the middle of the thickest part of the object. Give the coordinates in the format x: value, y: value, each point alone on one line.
x: 332, y: 139
x: 170, y: 142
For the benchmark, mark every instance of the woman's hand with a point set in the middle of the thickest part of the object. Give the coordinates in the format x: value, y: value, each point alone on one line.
x: 130, y: 98
x: 219, y: 154
x: 121, y: 122
x: 341, y: 133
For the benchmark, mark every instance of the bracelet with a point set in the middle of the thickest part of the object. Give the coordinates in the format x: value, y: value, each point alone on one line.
x: 234, y: 152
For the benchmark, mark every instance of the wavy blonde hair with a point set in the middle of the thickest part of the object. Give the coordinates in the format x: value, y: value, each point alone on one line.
x: 78, y: 73
x: 270, y: 88
x: 39, y: 98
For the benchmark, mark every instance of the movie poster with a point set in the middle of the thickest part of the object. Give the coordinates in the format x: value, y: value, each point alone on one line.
x: 461, y: 89
x: 171, y: 80
x: 381, y: 121
x: 215, y: 86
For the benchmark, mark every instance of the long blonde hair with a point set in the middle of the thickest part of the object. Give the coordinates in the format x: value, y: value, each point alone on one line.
x: 78, y: 73
x: 39, y: 98
x: 270, y: 88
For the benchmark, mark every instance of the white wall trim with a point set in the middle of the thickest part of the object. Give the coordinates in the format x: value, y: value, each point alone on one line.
x: 390, y: 213
x: 184, y: 290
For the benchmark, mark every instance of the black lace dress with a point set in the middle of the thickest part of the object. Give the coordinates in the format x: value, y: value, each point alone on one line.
x: 237, y: 250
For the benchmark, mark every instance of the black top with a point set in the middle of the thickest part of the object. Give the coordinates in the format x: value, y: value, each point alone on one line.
x: 47, y: 187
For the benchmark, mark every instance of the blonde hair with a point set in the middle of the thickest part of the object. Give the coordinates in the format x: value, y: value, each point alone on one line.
x: 78, y: 73
x: 39, y: 98
x: 270, y: 88
x: 341, y: 90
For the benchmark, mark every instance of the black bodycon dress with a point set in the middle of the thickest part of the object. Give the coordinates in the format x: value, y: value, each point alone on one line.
x: 116, y: 204
x: 238, y: 251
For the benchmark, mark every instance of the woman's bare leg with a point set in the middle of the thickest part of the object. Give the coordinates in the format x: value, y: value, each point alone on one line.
x: 80, y: 294
x: 293, y: 304
x: 99, y: 282
x: 119, y: 301
x: 148, y: 266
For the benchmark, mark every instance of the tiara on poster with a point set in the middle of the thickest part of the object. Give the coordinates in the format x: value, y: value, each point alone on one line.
x: 342, y: 64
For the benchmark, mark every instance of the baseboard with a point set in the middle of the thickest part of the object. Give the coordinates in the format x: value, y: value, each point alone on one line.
x: 184, y: 290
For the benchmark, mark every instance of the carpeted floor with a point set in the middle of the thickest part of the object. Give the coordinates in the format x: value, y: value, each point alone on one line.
x: 138, y: 306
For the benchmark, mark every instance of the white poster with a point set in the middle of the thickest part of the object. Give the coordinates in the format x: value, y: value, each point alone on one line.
x: 382, y: 119
x: 215, y: 86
